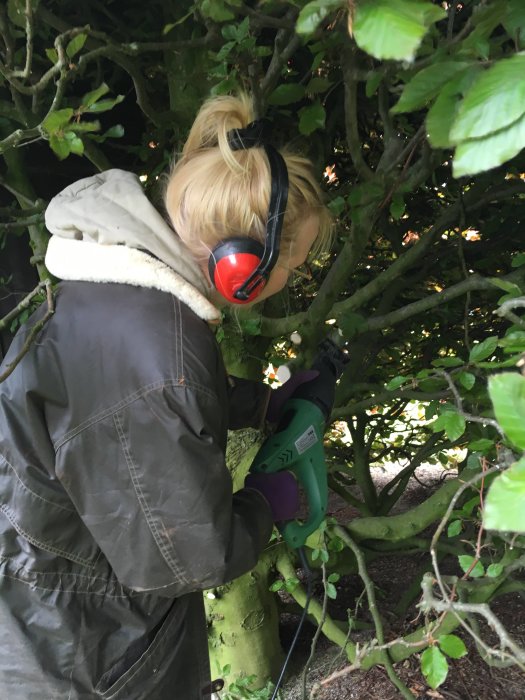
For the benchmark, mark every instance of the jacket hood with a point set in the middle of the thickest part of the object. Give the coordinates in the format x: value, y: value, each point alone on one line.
x: 103, y: 229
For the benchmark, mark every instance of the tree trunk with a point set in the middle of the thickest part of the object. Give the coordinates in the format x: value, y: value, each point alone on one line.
x: 243, y: 619
x: 243, y: 627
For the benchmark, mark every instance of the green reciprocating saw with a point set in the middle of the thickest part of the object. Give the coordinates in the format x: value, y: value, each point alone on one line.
x: 297, y: 443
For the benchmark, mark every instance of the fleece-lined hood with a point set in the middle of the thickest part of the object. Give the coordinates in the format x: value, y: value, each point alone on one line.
x: 103, y: 229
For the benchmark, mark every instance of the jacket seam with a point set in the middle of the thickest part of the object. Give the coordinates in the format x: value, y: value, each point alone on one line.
x: 112, y: 410
x: 52, y: 573
x: 76, y: 591
x: 150, y: 519
x: 36, y: 495
x: 43, y: 545
x: 130, y: 595
x: 176, y: 341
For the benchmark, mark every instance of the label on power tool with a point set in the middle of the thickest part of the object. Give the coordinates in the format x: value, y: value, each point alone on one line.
x: 306, y: 440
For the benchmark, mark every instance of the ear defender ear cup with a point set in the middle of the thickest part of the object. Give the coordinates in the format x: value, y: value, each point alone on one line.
x: 234, y: 261
x: 240, y: 266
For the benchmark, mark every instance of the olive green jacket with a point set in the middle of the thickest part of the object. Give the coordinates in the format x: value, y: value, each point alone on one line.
x: 116, y: 506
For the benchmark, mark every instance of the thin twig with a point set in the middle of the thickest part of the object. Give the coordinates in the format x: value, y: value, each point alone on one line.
x: 35, y: 330
x: 372, y: 604
x: 23, y: 304
x: 317, y: 632
x: 448, y: 605
x: 459, y: 405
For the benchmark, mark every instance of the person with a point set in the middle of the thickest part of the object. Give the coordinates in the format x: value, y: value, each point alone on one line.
x: 116, y: 506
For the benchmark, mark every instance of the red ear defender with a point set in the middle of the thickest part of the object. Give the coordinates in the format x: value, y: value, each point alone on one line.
x: 234, y: 261
x: 239, y: 266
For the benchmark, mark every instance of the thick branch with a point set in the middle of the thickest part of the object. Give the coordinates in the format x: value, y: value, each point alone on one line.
x: 414, y: 521
x: 413, y: 255
x: 474, y: 283
x: 286, y: 44
x: 352, y: 132
x: 353, y: 409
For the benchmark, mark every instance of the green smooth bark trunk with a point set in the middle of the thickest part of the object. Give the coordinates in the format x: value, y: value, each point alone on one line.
x: 243, y: 618
x: 243, y: 627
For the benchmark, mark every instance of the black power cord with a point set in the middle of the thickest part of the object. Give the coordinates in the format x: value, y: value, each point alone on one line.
x: 309, y: 590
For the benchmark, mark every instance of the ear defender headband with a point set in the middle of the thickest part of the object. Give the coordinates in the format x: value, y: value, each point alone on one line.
x: 239, y: 267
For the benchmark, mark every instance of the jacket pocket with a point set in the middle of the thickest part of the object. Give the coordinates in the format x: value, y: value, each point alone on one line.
x: 135, y: 673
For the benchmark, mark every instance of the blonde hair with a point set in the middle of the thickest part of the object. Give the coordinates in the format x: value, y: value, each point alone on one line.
x: 214, y: 192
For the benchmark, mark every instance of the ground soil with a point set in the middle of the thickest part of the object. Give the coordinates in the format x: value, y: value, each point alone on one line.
x: 470, y: 678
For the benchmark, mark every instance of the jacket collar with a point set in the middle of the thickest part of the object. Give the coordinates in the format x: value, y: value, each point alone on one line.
x: 70, y: 259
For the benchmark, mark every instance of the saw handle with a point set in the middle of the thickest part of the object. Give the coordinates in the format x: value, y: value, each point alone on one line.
x: 311, y: 474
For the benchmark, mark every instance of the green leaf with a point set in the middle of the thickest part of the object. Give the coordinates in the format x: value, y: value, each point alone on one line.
x: 504, y: 508
x: 373, y: 82
x: 52, y: 55
x: 314, y: 13
x: 337, y: 205
x: 114, y: 132
x: 167, y: 29
x: 251, y: 326
x: 393, y: 29
x: 466, y: 561
x: 57, y: 120
x: 478, y: 155
x: 333, y: 578
x: 286, y: 94
x: 518, y: 260
x: 452, y: 645
x: 91, y: 97
x: 229, y: 32
x: 494, y: 570
x: 396, y: 382
x: 485, y: 18
x: 397, y: 206
x: 454, y: 528
x: 215, y: 10
x: 331, y: 591
x: 448, y: 362
x: 434, y: 666
x: 60, y: 146
x: 441, y: 115
x: 291, y: 584
x: 276, y: 585
x: 317, y: 84
x: 507, y: 392
x: 224, y: 51
x: 452, y: 423
x: 481, y: 445
x: 350, y: 323
x: 75, y: 45
x: 426, y: 84
x: 514, y: 21
x: 318, y: 59
x: 482, y: 350
x: 312, y: 118
x: 468, y: 507
x: 467, y: 380
x: 507, y: 286
x: 495, y: 100
x: 105, y: 105
x: 75, y: 143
